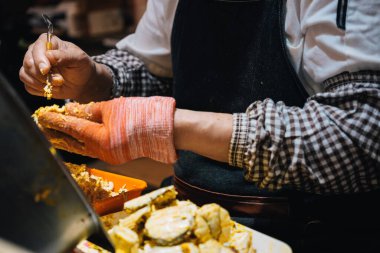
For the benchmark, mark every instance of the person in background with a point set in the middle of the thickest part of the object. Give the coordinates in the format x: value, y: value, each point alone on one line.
x: 269, y: 108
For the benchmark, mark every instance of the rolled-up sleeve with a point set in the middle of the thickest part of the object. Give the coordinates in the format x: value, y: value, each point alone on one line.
x: 331, y: 145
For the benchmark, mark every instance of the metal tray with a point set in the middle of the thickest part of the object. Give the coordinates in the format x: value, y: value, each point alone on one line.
x: 42, y: 208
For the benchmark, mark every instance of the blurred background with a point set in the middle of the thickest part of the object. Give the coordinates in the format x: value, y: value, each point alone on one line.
x: 93, y: 25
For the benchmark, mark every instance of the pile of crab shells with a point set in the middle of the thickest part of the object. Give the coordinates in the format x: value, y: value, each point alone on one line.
x: 159, y: 223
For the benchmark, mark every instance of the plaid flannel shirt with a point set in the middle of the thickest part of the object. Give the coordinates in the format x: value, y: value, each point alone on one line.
x: 131, y: 77
x: 331, y: 145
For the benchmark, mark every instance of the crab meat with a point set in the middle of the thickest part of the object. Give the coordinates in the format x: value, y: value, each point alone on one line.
x: 241, y: 239
x: 183, y: 248
x: 171, y: 225
x: 242, y: 242
x: 158, y: 198
x: 125, y: 240
x: 158, y: 223
x: 112, y: 219
x: 212, y: 221
x: 189, y: 248
x: 134, y: 220
x: 213, y: 246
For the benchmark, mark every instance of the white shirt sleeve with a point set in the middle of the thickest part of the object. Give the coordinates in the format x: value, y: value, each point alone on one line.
x: 319, y: 49
x: 151, y: 40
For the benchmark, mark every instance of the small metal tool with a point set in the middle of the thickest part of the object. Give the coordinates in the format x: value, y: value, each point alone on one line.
x: 48, y: 89
x: 50, y: 31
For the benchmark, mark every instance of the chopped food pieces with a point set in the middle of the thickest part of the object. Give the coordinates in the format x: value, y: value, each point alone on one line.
x: 241, y: 241
x: 125, y: 239
x: 94, y: 188
x: 164, y: 224
x: 155, y: 198
x: 213, y: 221
x: 135, y: 220
x: 213, y: 246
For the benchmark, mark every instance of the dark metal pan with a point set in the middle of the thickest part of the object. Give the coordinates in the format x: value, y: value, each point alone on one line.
x: 41, y: 207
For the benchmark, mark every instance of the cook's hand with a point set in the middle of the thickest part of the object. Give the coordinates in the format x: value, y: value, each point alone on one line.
x: 115, y: 131
x: 72, y: 68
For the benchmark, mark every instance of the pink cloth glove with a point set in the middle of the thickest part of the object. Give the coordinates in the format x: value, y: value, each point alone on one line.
x: 114, y: 131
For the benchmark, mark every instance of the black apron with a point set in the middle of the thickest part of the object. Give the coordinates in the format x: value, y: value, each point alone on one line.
x: 226, y: 55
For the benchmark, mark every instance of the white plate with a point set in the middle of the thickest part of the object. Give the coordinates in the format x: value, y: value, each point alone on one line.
x: 266, y: 244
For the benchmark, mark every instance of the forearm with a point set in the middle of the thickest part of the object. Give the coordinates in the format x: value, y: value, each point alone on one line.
x: 331, y: 145
x: 204, y: 133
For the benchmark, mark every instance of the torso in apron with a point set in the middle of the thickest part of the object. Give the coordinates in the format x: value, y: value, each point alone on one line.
x: 226, y: 55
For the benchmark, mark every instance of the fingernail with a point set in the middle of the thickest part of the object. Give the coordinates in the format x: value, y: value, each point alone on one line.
x: 43, y: 68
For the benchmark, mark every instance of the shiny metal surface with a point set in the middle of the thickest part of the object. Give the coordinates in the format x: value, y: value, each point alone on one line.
x: 49, y: 25
x: 42, y: 208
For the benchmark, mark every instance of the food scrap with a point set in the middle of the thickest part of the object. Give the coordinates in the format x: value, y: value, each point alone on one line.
x: 94, y: 188
x: 42, y: 195
x: 48, y: 89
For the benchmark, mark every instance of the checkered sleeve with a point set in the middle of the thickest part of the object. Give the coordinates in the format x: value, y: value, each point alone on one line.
x: 131, y: 77
x: 331, y: 145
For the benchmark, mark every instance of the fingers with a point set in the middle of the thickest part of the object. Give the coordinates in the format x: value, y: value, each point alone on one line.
x: 30, y: 73
x: 42, y: 63
x: 91, y: 111
x: 32, y: 85
x: 72, y: 134
x: 30, y: 65
x: 80, y: 129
